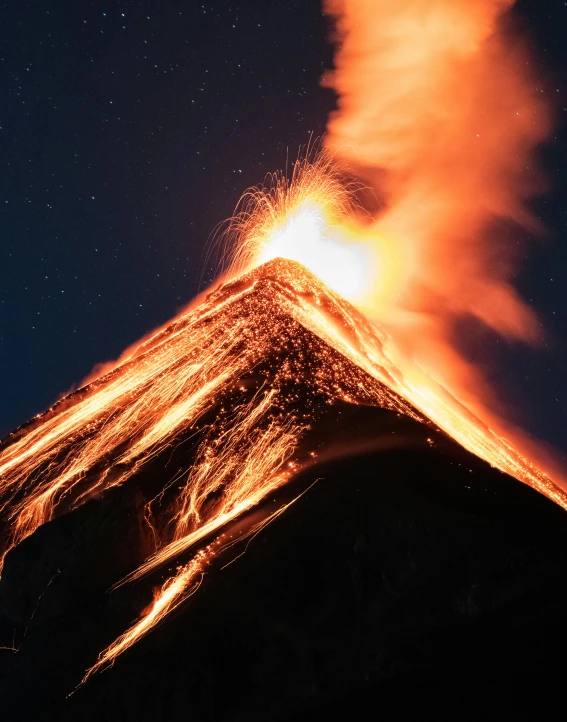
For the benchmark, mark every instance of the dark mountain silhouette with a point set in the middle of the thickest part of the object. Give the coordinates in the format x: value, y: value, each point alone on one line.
x: 406, y: 576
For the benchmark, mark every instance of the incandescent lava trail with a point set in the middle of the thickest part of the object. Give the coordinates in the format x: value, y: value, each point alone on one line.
x: 226, y: 379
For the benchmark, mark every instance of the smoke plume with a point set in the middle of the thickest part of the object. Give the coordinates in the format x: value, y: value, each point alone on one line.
x: 440, y: 113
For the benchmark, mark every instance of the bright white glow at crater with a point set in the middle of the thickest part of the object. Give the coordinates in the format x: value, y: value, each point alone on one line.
x: 305, y: 237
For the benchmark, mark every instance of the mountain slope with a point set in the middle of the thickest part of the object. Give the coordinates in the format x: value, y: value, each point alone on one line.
x: 403, y: 578
x: 164, y: 469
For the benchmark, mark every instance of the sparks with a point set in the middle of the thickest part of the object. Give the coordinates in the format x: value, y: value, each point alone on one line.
x: 309, y: 218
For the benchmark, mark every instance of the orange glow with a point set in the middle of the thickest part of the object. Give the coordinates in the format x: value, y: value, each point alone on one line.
x: 438, y: 115
x: 439, y: 112
x: 307, y: 237
x: 172, y: 593
x: 100, y: 436
x: 310, y: 218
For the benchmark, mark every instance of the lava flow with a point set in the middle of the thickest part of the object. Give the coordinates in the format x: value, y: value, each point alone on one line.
x: 225, y: 397
x: 240, y: 380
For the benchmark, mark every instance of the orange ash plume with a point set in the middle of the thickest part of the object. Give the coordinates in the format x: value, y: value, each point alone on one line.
x: 439, y: 112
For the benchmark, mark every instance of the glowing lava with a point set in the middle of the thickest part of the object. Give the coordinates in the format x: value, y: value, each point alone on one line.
x: 307, y: 237
x: 267, y: 352
x: 314, y: 219
x: 231, y: 387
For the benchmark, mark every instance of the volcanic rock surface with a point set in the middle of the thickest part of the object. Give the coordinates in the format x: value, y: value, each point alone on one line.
x: 407, y: 576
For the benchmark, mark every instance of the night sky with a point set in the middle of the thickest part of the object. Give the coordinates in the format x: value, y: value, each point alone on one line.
x: 128, y: 131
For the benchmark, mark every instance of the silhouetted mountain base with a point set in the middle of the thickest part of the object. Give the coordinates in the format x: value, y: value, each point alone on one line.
x: 412, y: 579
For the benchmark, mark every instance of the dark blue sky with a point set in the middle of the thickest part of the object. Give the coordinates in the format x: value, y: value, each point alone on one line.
x: 128, y: 130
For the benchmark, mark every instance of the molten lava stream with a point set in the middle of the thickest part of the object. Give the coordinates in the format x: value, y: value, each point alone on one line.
x: 280, y: 312
x: 246, y: 463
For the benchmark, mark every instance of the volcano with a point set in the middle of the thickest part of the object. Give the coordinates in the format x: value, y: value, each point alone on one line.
x: 258, y: 514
